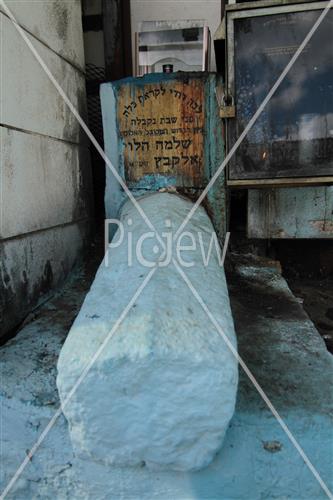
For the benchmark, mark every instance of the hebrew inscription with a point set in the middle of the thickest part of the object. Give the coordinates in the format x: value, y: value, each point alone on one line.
x: 162, y: 129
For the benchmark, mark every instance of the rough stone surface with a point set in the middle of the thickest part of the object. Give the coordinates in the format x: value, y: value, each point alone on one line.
x: 279, y: 344
x: 163, y: 390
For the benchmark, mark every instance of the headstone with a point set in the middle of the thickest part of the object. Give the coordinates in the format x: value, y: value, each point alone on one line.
x: 162, y: 131
x: 163, y: 390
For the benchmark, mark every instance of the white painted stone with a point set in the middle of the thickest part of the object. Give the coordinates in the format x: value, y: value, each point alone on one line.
x: 163, y: 390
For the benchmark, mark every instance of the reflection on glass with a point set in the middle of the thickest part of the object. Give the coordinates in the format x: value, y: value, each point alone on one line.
x: 293, y: 137
x: 184, y: 44
x: 183, y: 48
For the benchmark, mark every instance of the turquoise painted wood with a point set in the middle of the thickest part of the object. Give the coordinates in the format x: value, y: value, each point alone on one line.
x: 284, y: 213
x: 164, y: 131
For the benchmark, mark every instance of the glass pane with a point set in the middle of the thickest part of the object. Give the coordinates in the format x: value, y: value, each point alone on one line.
x: 293, y: 137
x: 181, y: 48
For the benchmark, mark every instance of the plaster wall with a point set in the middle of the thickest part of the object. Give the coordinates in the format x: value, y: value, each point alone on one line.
x: 57, y: 25
x: 45, y: 169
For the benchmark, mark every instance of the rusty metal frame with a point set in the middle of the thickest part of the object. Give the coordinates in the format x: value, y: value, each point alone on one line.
x: 255, y: 9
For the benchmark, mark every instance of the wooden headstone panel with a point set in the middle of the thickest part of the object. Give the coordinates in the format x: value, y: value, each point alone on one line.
x: 162, y: 127
x: 164, y: 131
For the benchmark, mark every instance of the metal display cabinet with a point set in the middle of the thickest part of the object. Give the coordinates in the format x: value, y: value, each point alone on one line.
x: 291, y: 143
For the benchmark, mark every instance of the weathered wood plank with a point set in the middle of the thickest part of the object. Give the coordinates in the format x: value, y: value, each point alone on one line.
x: 164, y: 130
x: 291, y: 213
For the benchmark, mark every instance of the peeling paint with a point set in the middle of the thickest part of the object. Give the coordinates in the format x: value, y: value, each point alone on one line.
x: 302, y: 212
x: 323, y: 226
x: 128, y: 97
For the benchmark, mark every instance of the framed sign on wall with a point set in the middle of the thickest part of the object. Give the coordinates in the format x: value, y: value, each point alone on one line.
x: 291, y: 143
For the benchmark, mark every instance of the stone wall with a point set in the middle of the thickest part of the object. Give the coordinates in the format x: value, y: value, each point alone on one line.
x: 45, y: 173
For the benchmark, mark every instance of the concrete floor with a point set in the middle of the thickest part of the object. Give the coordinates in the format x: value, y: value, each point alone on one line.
x: 316, y: 295
x: 278, y: 342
